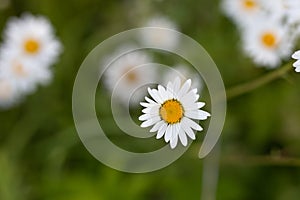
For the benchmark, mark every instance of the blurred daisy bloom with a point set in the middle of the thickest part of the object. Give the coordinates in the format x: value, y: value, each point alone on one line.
x: 242, y: 11
x: 296, y: 56
x: 171, y: 112
x: 267, y: 42
x: 183, y: 71
x: 159, y: 37
x: 128, y: 74
x: 32, y: 38
x: 8, y: 93
x: 23, y: 74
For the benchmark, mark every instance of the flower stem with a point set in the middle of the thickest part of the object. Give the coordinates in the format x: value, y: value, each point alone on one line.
x: 244, y: 88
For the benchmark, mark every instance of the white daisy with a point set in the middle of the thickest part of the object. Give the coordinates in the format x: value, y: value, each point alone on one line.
x: 242, y: 11
x: 32, y: 38
x: 128, y: 73
x: 171, y: 112
x: 23, y: 74
x: 159, y: 37
x: 8, y: 93
x: 267, y: 42
x: 183, y: 71
x: 296, y: 56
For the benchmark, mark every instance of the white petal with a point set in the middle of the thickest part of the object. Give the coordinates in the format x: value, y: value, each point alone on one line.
x: 296, y: 55
x: 174, y: 140
x: 194, y: 106
x: 192, y: 124
x: 297, y: 69
x: 297, y: 63
x: 168, y: 134
x: 150, y: 122
x: 185, y: 88
x: 154, y: 94
x: 162, y: 93
x: 182, y: 137
x: 152, y: 110
x: 150, y: 100
x: 189, y: 98
x: 188, y: 130
x: 197, y: 114
x: 161, y: 131
x: 157, y: 126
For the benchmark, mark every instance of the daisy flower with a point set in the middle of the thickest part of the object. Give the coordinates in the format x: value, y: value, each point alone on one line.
x: 296, y: 56
x: 171, y: 112
x: 128, y: 73
x: 32, y: 38
x: 159, y: 37
x: 267, y: 42
x: 242, y: 11
x: 182, y: 71
x: 23, y: 74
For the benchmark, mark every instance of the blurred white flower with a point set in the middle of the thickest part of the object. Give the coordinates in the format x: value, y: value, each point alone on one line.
x: 23, y: 74
x: 159, y: 37
x: 171, y: 112
x: 128, y: 74
x: 296, y: 56
x: 267, y: 42
x: 242, y: 12
x: 28, y: 50
x: 32, y: 38
x: 184, y: 73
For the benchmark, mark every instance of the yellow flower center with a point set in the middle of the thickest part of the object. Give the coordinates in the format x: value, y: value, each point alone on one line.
x: 269, y: 40
x: 171, y: 111
x: 249, y: 4
x: 31, y: 46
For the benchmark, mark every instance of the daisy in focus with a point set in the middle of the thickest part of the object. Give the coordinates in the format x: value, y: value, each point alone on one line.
x: 159, y: 37
x: 172, y: 111
x: 296, y: 56
x: 127, y: 72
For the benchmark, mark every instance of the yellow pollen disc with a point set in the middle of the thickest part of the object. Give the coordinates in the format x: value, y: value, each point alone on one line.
x: 268, y: 40
x: 249, y: 4
x: 31, y: 46
x: 171, y: 111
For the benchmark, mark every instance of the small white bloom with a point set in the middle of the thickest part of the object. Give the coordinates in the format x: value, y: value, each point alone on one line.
x: 183, y: 72
x: 159, y: 37
x: 32, y: 38
x: 171, y: 112
x: 128, y: 73
x: 267, y: 42
x: 23, y: 74
x: 242, y: 11
x: 296, y: 56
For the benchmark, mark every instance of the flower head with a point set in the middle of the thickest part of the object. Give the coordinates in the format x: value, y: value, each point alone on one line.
x: 159, y: 37
x: 296, y: 56
x: 32, y: 38
x: 171, y: 112
x: 127, y: 71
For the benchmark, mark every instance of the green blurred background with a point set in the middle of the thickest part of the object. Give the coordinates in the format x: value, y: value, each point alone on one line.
x: 41, y: 156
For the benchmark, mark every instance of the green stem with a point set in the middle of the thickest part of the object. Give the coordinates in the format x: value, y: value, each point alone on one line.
x: 244, y: 88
